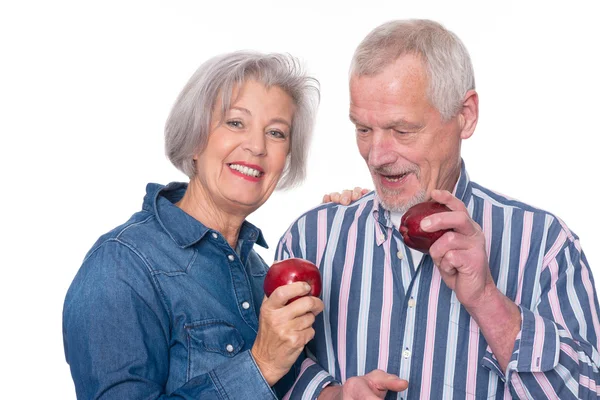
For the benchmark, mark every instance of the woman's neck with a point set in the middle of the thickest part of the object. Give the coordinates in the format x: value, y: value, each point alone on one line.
x: 198, y: 203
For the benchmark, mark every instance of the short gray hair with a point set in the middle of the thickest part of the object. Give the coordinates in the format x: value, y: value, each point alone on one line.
x: 188, y: 125
x: 446, y: 59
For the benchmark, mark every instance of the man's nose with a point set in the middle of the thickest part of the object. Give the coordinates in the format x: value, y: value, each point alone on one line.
x: 382, y: 150
x: 255, y: 143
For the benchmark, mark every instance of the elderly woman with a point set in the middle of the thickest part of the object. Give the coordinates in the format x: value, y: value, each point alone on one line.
x: 167, y: 304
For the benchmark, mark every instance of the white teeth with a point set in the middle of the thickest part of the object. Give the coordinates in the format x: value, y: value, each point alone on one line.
x: 245, y: 170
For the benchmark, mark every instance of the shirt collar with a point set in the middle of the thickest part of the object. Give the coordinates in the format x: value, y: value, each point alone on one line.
x: 462, y: 191
x: 182, y: 228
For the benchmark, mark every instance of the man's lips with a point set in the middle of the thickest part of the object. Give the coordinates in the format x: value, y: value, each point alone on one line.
x: 394, y: 178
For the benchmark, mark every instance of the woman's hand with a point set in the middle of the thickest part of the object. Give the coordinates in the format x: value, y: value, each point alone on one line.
x: 284, y: 329
x: 346, y: 197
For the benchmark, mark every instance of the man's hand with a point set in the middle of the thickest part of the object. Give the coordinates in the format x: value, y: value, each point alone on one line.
x: 462, y: 259
x: 346, y: 197
x: 461, y: 254
x: 371, y: 386
x: 284, y: 329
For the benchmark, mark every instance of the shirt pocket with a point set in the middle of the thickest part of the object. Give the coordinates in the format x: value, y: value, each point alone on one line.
x: 210, y: 343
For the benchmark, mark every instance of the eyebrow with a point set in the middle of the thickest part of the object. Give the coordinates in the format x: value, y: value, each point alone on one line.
x: 398, y: 123
x: 272, y: 121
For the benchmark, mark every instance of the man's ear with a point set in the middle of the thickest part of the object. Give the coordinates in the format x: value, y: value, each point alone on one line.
x: 469, y: 114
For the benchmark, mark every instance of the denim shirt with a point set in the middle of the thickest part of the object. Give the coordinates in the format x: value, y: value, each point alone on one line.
x: 163, y: 307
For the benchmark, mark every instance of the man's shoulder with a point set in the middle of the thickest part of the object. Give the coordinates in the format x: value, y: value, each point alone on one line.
x: 501, y: 200
x: 526, y: 213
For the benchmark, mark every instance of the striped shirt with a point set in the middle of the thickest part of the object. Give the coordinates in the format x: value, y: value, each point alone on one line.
x: 383, y: 311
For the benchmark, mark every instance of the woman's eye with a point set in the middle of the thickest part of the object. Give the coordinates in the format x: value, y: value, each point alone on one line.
x: 276, y: 134
x: 235, y: 124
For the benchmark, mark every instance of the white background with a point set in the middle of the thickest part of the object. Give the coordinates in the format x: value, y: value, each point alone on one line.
x: 85, y: 88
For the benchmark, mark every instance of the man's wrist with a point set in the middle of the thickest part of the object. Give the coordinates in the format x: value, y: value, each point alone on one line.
x: 499, y: 319
x: 331, y: 392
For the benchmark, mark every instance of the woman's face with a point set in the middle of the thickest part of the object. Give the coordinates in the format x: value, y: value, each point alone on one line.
x: 246, y: 153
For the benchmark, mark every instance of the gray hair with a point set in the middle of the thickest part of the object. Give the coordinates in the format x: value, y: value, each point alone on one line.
x: 446, y: 59
x: 188, y: 125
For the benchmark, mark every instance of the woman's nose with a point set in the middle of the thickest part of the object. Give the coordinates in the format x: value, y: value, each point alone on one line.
x: 255, y: 143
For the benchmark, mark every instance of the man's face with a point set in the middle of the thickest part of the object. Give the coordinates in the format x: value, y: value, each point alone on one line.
x: 409, y: 150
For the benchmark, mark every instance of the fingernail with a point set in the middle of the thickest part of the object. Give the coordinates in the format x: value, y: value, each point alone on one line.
x: 306, y: 286
x: 425, y: 223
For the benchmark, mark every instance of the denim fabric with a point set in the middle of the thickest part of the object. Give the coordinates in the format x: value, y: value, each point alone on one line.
x: 163, y: 307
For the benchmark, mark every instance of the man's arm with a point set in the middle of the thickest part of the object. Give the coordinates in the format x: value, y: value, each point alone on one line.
x: 548, y: 352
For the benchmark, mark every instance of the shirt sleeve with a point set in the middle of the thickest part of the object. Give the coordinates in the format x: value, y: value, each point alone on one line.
x: 556, y: 351
x: 312, y: 378
x: 116, y: 337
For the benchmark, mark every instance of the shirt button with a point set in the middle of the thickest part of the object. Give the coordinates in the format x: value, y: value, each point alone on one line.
x: 214, y: 235
x: 230, y: 257
x: 381, y: 238
x: 245, y: 305
x: 406, y: 353
x: 229, y: 348
x: 399, y: 255
x: 411, y: 302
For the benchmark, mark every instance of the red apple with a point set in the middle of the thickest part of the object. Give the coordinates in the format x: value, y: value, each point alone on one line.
x: 410, y: 225
x: 293, y: 270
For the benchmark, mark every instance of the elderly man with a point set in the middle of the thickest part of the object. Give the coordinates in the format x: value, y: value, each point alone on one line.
x: 502, y: 305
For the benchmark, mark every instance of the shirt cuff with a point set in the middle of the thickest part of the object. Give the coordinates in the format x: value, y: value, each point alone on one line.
x: 241, y: 376
x: 311, y: 382
x: 536, y: 349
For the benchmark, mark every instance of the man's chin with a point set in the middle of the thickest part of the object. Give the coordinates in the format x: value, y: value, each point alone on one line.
x: 396, y: 203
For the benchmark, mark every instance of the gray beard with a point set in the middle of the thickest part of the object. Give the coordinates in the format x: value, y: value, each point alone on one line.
x: 419, y: 197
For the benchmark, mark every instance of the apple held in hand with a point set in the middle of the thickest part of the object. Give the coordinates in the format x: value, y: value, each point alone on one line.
x: 293, y: 270
x: 410, y: 225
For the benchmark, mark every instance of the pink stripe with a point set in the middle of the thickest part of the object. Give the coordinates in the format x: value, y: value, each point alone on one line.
x: 386, y: 308
x: 588, y: 383
x: 284, y: 244
x: 507, y: 394
x: 544, y: 383
x: 568, y: 350
x: 427, y: 371
x: 525, y: 247
x: 473, y: 351
x: 473, y: 360
x: 305, y: 364
x: 487, y: 226
x: 321, y: 234
x: 288, y: 241
x: 538, y: 342
x: 345, y: 292
x: 558, y: 244
x: 518, y: 385
x: 589, y: 289
x: 553, y: 297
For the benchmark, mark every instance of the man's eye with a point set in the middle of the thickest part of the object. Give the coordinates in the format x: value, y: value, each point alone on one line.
x: 401, y: 132
x: 235, y: 124
x: 362, y: 131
